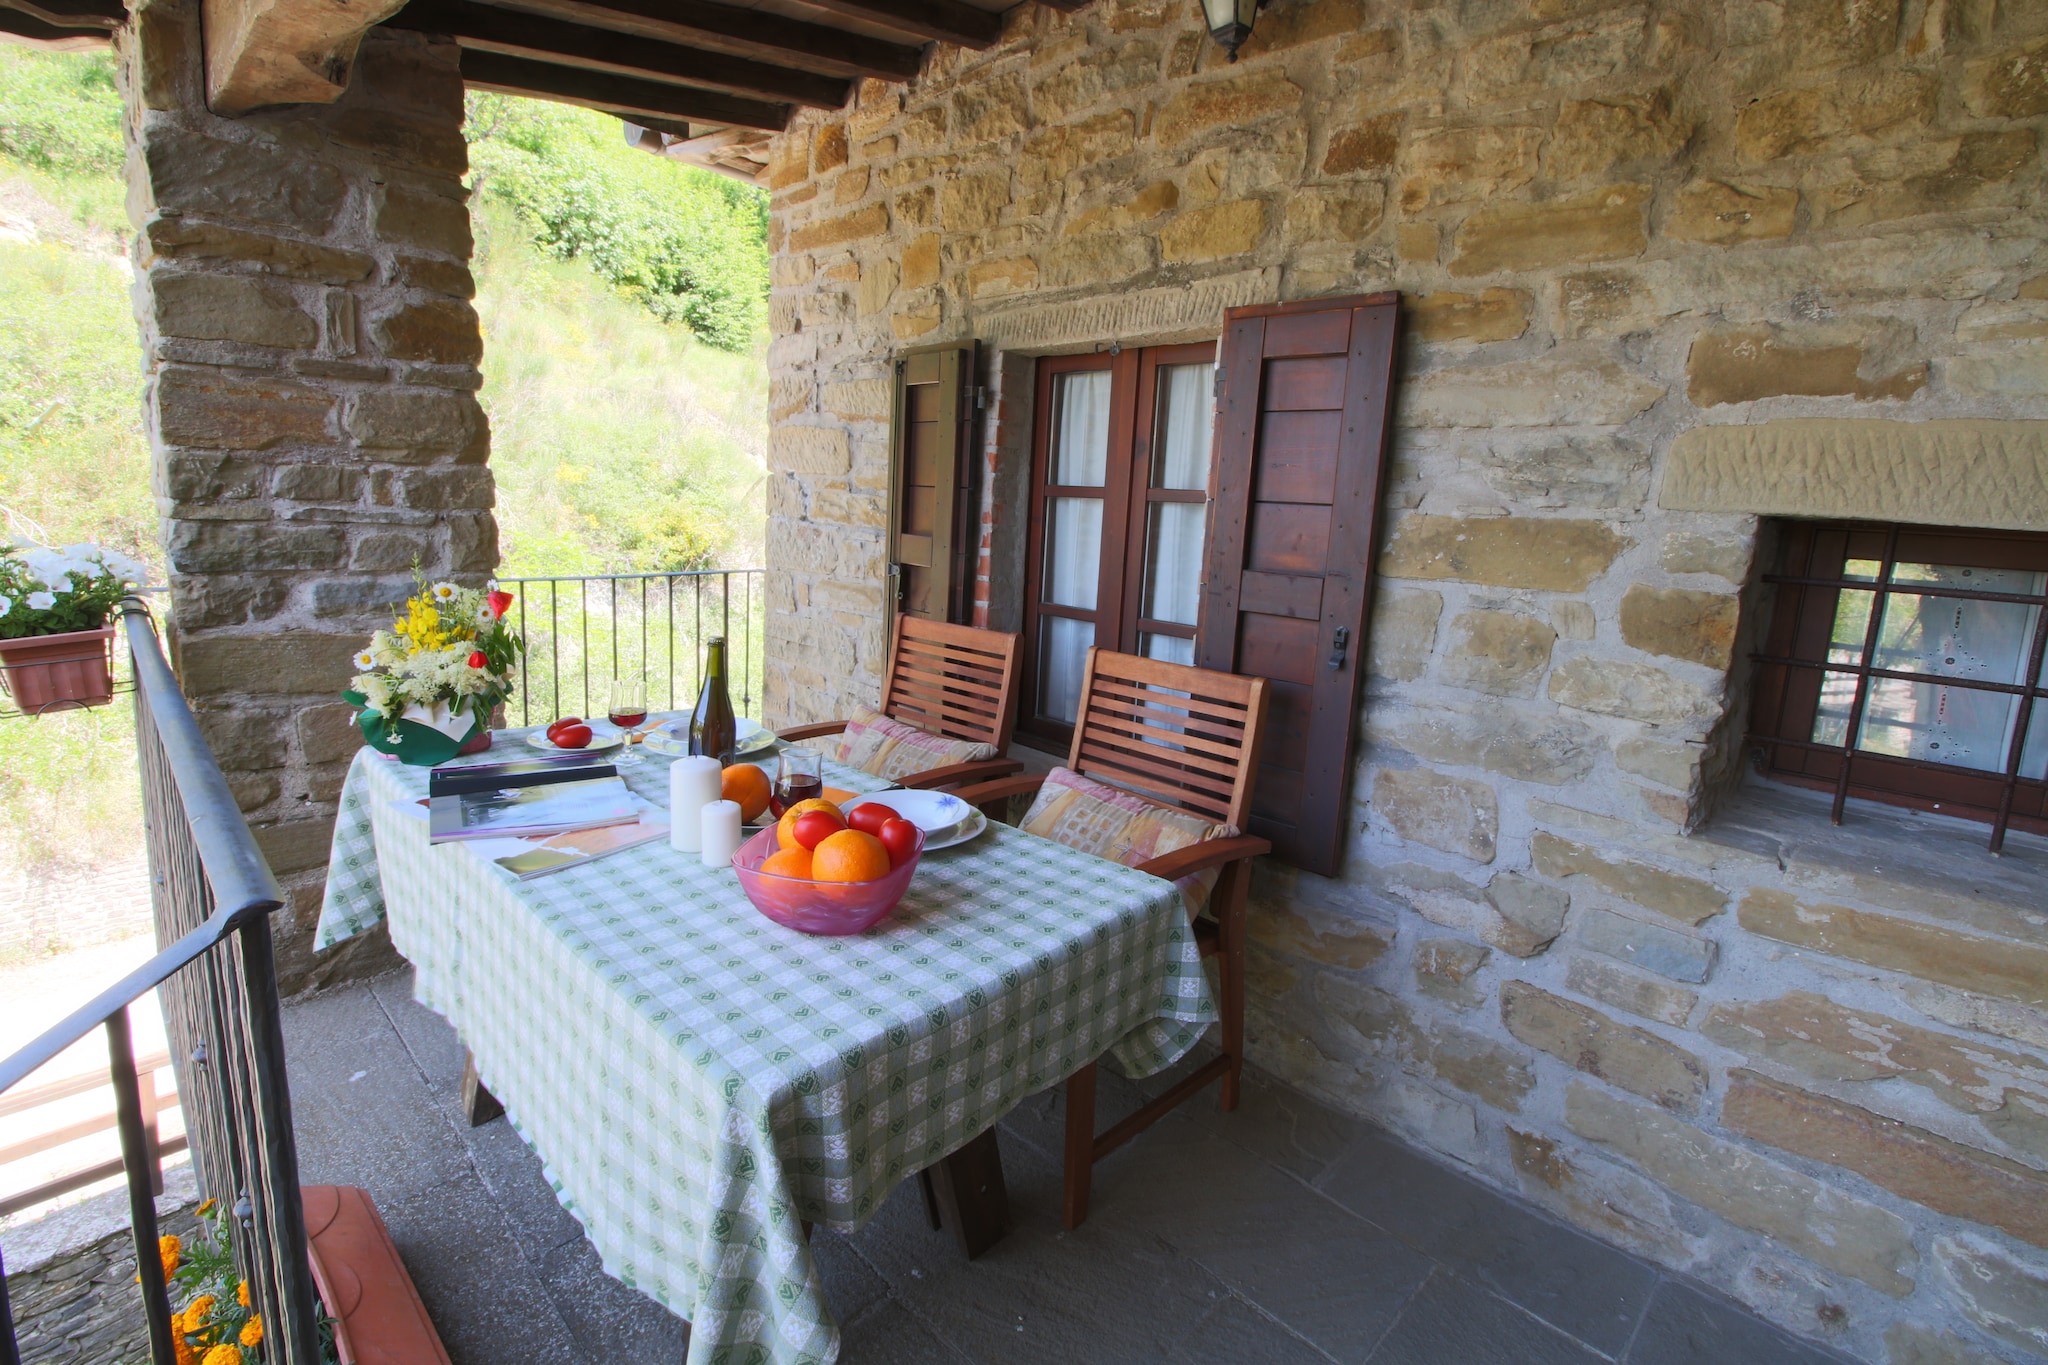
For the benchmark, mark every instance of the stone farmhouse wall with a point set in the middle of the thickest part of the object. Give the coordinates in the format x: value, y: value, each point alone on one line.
x: 302, y: 285
x: 1665, y: 267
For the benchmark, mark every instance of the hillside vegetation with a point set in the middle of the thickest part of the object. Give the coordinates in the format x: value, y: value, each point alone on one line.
x: 623, y: 307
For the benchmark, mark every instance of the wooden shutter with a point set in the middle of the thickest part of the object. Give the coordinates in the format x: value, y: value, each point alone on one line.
x: 934, y: 507
x: 1301, y: 452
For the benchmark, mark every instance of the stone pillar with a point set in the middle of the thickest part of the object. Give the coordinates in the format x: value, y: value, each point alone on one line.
x: 311, y: 359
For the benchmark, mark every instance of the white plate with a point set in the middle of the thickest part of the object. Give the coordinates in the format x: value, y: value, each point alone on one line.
x: 752, y: 739
x: 933, y: 812
x: 959, y: 834
x: 603, y: 735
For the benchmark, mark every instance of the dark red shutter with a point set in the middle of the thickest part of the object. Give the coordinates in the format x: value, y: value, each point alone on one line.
x: 1300, y: 458
x: 934, y: 503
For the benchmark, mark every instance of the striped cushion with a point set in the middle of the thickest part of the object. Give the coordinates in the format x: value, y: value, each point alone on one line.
x: 890, y: 749
x: 1111, y: 823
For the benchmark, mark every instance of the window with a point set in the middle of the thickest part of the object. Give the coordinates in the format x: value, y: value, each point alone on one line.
x: 1904, y: 664
x: 1119, y: 517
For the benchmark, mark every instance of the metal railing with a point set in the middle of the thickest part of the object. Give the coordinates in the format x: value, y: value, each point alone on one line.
x: 583, y: 632
x: 213, y: 896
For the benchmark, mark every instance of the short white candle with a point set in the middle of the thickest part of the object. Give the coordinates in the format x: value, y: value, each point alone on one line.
x: 720, y: 832
x: 693, y: 783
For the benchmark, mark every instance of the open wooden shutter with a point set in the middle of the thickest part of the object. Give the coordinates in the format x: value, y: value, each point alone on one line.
x: 934, y: 511
x: 1301, y: 452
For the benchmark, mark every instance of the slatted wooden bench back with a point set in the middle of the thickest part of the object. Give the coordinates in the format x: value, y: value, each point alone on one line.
x: 1184, y: 737
x: 952, y: 680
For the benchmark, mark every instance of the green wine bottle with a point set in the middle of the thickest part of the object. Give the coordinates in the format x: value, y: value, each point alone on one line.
x: 712, y: 731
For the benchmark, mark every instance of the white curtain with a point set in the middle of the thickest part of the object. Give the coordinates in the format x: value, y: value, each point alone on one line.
x: 1185, y: 426
x: 1063, y: 649
x: 1073, y: 551
x: 1173, y: 562
x: 1082, y: 429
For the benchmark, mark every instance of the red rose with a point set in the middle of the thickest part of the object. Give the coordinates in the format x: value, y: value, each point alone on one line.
x: 476, y: 658
x: 499, y: 602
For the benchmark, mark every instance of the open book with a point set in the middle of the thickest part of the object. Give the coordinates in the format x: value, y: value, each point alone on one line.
x: 522, y: 812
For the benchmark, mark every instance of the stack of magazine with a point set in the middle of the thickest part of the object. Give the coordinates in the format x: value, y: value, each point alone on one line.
x: 538, y: 815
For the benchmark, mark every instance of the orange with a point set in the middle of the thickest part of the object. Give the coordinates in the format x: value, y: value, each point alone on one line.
x: 748, y: 785
x: 849, y: 856
x: 790, y: 862
x: 785, y: 828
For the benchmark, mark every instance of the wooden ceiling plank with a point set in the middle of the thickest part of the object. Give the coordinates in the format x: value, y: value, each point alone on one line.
x: 947, y: 21
x: 739, y: 33
x: 100, y: 14
x: 616, y: 94
x: 26, y: 29
x: 515, y: 34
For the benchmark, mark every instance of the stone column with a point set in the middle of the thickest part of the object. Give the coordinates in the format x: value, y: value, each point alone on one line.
x: 311, y: 360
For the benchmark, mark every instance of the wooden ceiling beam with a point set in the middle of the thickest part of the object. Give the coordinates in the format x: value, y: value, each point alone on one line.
x: 625, y: 96
x: 740, y: 33
x: 514, y: 34
x: 100, y: 14
x: 28, y: 30
x: 259, y: 52
x: 946, y: 21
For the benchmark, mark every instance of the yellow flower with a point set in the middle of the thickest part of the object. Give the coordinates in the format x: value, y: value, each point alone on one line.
x: 222, y: 1355
x: 204, y: 1209
x: 242, y: 1293
x: 170, y: 1249
x: 195, y: 1313
x: 252, y: 1331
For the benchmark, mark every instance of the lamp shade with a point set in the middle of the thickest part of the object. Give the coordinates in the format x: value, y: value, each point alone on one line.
x: 1230, y: 22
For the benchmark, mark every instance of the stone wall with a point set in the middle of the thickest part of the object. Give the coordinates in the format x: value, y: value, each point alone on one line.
x: 311, y: 356
x: 1664, y: 267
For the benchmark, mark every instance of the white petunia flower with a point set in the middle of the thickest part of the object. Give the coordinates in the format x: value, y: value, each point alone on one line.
x: 42, y: 601
x: 444, y: 592
x: 6, y: 604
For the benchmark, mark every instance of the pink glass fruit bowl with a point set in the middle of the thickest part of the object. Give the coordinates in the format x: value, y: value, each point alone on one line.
x: 834, y: 908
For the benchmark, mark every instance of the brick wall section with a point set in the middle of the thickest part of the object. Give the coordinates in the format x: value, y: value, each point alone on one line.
x: 1809, y: 1065
x: 311, y: 354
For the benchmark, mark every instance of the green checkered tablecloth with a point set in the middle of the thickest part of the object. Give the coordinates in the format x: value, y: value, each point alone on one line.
x: 697, y: 1079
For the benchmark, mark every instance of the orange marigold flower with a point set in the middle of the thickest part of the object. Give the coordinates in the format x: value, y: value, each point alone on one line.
x: 242, y: 1293
x: 195, y: 1314
x: 204, y: 1209
x: 171, y: 1250
x: 222, y: 1355
x: 183, y: 1350
x: 252, y: 1331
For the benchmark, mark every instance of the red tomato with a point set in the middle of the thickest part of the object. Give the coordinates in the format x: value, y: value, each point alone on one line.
x: 556, y: 727
x: 572, y: 736
x: 813, y: 827
x: 899, y: 836
x: 869, y: 817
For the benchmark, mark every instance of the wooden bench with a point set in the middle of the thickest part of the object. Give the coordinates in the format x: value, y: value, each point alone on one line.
x: 379, y: 1319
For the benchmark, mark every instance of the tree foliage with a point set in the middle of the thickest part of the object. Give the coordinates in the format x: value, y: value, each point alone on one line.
x: 60, y: 111
x: 688, y: 244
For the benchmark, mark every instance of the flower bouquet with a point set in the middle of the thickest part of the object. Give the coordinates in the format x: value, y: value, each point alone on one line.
x: 430, y: 683
x: 55, y: 643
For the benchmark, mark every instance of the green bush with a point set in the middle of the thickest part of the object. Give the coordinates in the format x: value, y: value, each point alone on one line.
x: 60, y: 111
x: 688, y: 244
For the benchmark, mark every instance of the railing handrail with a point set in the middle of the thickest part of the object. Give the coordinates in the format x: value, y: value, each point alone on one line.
x: 608, y: 577
x: 243, y: 884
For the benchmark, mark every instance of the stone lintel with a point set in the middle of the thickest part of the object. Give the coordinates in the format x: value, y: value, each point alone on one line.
x: 1963, y: 472
x: 1187, y: 312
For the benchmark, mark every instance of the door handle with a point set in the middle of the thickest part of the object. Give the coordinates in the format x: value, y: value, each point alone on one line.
x: 1339, y: 647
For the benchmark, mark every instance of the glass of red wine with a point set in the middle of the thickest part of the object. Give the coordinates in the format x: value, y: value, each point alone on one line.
x: 628, y: 711
x: 799, y: 777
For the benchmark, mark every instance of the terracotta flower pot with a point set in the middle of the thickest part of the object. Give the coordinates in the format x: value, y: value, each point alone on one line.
x: 51, y: 672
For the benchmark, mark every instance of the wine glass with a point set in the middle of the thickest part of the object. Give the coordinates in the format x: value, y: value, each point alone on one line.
x: 799, y: 777
x: 628, y: 711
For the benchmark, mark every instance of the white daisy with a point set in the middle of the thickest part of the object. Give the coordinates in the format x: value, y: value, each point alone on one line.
x: 484, y: 615
x: 366, y: 661
x: 444, y: 592
x: 42, y: 601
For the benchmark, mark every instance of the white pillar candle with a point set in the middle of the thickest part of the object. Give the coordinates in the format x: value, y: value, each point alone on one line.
x: 693, y: 783
x: 720, y: 832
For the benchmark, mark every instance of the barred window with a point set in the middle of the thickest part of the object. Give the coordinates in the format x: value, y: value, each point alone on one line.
x: 1904, y: 664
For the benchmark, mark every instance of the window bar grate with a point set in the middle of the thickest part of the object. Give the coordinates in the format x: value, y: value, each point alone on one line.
x: 1878, y: 600
x: 2022, y: 723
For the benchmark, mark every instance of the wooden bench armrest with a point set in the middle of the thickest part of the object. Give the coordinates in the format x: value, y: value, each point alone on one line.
x: 823, y: 727
x: 987, y: 794
x: 1205, y: 855
x: 980, y: 770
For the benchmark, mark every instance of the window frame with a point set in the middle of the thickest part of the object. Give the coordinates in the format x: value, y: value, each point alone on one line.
x: 1793, y: 662
x: 1127, y: 497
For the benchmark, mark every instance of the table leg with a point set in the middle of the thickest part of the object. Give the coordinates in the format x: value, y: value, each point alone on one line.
x: 966, y: 1190
x: 478, y: 1104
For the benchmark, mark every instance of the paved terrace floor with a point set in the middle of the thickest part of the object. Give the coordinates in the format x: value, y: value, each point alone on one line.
x: 1283, y: 1233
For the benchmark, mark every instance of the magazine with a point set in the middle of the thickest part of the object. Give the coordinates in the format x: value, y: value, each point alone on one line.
x: 522, y: 812
x: 530, y: 858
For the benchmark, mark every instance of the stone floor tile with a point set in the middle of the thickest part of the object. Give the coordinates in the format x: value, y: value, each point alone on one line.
x: 1325, y: 1273
x: 1283, y: 1126
x: 1041, y: 1294
x: 1581, y: 1286
x: 1455, y: 1322
x: 888, y: 1334
x: 1236, y: 1333
x: 852, y: 1286
x: 610, y: 1321
x: 1687, y: 1327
